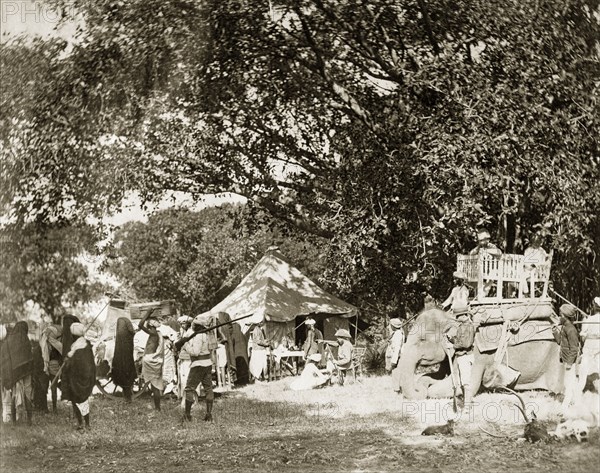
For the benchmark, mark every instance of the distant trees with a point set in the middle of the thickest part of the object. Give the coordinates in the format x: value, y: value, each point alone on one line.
x: 391, y: 128
x: 197, y: 258
x: 45, y: 264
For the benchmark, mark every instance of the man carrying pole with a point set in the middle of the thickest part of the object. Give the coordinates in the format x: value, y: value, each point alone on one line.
x: 199, y: 342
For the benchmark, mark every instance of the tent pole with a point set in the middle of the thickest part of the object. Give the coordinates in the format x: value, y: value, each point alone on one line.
x: 356, y: 328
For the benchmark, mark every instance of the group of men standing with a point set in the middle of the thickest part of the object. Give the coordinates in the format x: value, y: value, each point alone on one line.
x: 28, y: 368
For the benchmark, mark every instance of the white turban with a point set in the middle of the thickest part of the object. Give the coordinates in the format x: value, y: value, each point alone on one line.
x: 78, y: 329
x: 184, y: 319
x: 205, y: 320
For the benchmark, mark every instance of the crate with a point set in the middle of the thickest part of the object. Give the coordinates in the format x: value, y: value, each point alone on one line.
x: 158, y: 309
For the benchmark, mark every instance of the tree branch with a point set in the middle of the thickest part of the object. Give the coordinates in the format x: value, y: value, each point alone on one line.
x: 428, y: 28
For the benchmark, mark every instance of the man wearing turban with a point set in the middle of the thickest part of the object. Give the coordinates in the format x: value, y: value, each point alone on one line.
x: 79, y: 375
x: 568, y: 338
x: 52, y: 349
x: 199, y: 342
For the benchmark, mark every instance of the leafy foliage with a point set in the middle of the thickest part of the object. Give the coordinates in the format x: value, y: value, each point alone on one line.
x: 392, y: 128
x: 197, y: 258
x: 45, y: 264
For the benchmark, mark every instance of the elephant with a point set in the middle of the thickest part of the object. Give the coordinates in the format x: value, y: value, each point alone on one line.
x: 531, y: 351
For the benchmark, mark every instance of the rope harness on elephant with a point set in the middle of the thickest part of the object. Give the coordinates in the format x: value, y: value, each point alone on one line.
x: 502, y: 374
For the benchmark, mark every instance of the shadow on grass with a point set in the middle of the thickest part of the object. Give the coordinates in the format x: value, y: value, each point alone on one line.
x: 254, y: 434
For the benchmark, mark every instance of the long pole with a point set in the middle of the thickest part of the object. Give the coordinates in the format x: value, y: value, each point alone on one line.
x: 569, y: 302
x: 180, y: 343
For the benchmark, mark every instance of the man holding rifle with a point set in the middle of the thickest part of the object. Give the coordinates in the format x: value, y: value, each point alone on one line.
x: 199, y: 342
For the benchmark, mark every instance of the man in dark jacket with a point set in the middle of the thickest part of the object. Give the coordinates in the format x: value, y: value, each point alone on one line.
x: 123, y: 372
x: 79, y: 374
x: 16, y: 367
x: 568, y: 338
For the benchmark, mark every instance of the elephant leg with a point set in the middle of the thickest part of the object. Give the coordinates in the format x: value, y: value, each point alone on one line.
x: 477, y: 371
x: 440, y: 389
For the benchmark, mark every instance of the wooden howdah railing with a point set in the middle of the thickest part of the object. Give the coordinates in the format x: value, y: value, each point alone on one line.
x: 504, y: 277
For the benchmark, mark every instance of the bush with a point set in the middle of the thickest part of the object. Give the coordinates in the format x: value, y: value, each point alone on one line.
x: 374, y: 360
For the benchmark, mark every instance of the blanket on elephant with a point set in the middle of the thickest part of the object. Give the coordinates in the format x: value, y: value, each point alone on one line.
x: 486, y: 314
x: 488, y: 337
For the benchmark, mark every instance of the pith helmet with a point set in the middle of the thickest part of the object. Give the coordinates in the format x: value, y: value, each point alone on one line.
x: 343, y: 333
x: 483, y: 234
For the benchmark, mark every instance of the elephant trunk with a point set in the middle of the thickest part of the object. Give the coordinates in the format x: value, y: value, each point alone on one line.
x: 407, y: 366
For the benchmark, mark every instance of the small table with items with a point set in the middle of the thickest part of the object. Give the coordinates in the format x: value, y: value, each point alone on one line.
x: 287, y: 359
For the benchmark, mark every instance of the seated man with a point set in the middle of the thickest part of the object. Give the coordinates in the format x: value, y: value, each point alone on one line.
x: 311, y: 376
x: 486, y: 250
x: 345, y: 351
x: 460, y: 293
x: 484, y: 247
x: 533, y: 257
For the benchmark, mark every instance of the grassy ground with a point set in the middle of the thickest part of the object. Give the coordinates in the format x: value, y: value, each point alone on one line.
x: 360, y: 427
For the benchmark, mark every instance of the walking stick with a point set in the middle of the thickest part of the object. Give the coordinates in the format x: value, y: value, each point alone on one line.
x: 452, y: 376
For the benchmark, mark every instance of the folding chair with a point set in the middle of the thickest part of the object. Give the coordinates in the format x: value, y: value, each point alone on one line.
x: 355, y: 368
x: 358, y: 354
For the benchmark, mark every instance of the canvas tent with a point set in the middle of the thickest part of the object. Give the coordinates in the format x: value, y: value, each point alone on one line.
x: 276, y: 292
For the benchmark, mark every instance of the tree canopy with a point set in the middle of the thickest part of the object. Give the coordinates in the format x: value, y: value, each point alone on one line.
x: 197, y: 258
x: 391, y: 128
x: 46, y: 264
